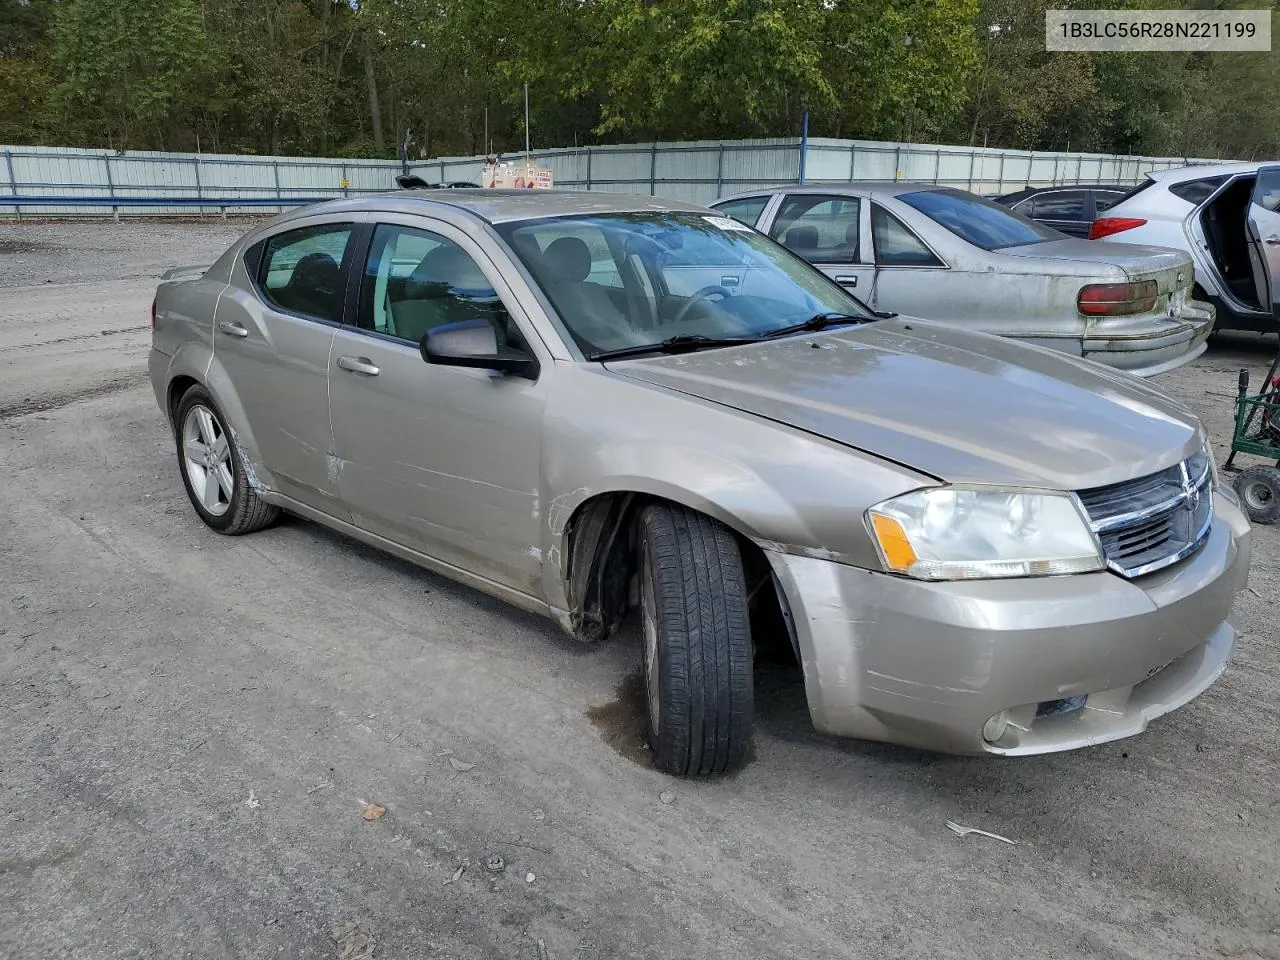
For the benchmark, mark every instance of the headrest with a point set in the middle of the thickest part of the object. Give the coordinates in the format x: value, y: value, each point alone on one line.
x: 567, y: 258
x: 802, y: 238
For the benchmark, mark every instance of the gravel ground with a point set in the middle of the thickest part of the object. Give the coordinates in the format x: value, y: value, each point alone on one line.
x: 192, y: 726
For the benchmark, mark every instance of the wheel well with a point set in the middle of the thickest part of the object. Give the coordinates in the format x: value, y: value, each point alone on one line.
x: 177, y: 388
x: 603, y: 541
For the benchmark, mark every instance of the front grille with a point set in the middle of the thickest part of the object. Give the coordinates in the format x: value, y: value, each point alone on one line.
x: 1153, y: 521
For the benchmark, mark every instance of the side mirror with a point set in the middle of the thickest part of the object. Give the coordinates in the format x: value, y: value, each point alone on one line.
x: 474, y: 343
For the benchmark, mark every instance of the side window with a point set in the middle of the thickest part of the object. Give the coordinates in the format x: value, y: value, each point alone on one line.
x: 747, y: 210
x: 895, y: 245
x: 1106, y: 199
x: 301, y: 270
x: 1197, y: 191
x: 820, y: 229
x: 1058, y: 205
x: 415, y: 281
x: 1267, y: 189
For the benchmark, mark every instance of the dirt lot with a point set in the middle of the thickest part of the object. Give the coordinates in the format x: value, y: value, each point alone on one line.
x: 191, y: 727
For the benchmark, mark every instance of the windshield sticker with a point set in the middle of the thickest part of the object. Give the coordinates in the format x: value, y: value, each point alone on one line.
x: 727, y: 223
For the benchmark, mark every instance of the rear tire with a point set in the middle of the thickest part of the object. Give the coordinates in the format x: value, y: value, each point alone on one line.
x: 697, y: 642
x: 213, y: 471
x: 1259, y: 492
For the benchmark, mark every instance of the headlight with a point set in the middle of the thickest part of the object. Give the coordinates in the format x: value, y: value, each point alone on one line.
x: 959, y: 533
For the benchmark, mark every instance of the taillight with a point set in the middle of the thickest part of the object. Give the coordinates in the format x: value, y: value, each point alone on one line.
x: 1106, y: 226
x: 1117, y: 299
x: 153, y: 314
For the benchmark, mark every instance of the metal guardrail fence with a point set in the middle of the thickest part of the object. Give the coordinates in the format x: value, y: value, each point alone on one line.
x: 52, y: 181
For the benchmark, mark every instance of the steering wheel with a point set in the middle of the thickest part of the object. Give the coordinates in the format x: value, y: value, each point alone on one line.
x: 700, y: 296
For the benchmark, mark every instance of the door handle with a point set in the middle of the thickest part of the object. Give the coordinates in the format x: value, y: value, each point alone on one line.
x: 847, y: 281
x: 359, y: 365
x: 234, y: 329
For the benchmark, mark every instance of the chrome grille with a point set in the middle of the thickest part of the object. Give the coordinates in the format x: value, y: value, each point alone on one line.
x: 1153, y: 521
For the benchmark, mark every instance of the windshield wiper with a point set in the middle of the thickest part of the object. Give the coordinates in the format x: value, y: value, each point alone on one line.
x: 685, y: 343
x: 819, y: 321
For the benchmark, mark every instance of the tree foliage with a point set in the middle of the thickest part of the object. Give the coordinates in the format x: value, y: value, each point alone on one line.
x: 363, y: 77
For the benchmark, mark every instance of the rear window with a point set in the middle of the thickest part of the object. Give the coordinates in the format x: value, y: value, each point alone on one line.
x: 977, y: 220
x: 1197, y: 191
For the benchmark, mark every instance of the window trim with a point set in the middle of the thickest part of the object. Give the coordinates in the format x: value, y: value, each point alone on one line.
x: 344, y: 270
x: 857, y: 260
x: 940, y: 265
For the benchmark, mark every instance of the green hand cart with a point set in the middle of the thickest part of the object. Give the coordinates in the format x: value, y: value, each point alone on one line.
x: 1257, y: 432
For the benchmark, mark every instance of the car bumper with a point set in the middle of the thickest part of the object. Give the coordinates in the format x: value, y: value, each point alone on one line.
x: 927, y: 664
x: 1148, y: 346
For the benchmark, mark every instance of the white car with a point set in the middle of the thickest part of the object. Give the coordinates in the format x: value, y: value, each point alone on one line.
x: 1203, y: 210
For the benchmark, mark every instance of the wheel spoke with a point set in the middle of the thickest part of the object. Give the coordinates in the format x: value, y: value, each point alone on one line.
x: 224, y: 480
x: 207, y: 431
x: 220, y: 449
x: 194, y: 450
x: 209, y: 494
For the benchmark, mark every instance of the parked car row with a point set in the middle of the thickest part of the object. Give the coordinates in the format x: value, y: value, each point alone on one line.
x: 952, y: 256
x: 601, y: 408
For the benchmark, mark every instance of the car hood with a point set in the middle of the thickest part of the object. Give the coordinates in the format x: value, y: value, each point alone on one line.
x: 958, y: 406
x: 1071, y: 252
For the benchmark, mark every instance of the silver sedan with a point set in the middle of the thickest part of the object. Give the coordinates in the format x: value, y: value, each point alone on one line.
x: 600, y: 408
x: 951, y: 256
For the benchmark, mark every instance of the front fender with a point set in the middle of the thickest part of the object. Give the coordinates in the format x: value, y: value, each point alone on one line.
x: 780, y: 487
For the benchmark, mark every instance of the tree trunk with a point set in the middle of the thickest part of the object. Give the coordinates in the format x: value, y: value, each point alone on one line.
x: 375, y: 108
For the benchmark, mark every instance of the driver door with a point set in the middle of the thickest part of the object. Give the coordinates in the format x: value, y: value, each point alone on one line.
x: 1263, y: 234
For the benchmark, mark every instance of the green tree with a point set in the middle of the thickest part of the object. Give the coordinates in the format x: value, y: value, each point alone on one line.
x: 25, y: 74
x: 122, y: 64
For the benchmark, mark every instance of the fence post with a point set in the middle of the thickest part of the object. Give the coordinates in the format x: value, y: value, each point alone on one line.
x: 897, y: 161
x: 111, y: 188
x: 973, y: 156
x: 275, y: 169
x: 1000, y: 185
x: 853, y: 160
x: 804, y: 146
x: 588, y: 168
x: 720, y: 171
x: 195, y: 166
x: 345, y: 181
x: 13, y: 183
x: 653, y: 169
x: 937, y: 166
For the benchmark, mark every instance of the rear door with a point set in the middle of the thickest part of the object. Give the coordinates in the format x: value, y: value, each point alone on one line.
x: 273, y: 340
x: 909, y: 275
x: 1263, y: 225
x: 826, y: 230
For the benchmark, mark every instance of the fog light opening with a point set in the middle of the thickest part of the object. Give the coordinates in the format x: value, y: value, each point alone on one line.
x: 995, y: 726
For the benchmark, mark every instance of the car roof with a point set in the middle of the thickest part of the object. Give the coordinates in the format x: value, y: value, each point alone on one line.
x: 1199, y: 170
x: 498, y: 206
x: 876, y: 188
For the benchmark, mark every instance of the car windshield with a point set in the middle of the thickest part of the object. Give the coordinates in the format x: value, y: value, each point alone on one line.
x: 626, y: 281
x: 977, y: 220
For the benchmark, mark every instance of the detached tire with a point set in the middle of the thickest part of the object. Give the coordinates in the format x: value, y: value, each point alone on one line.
x: 697, y: 642
x: 212, y: 470
x: 1259, y: 491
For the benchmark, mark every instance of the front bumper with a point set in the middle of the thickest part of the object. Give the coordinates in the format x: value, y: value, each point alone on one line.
x: 926, y: 664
